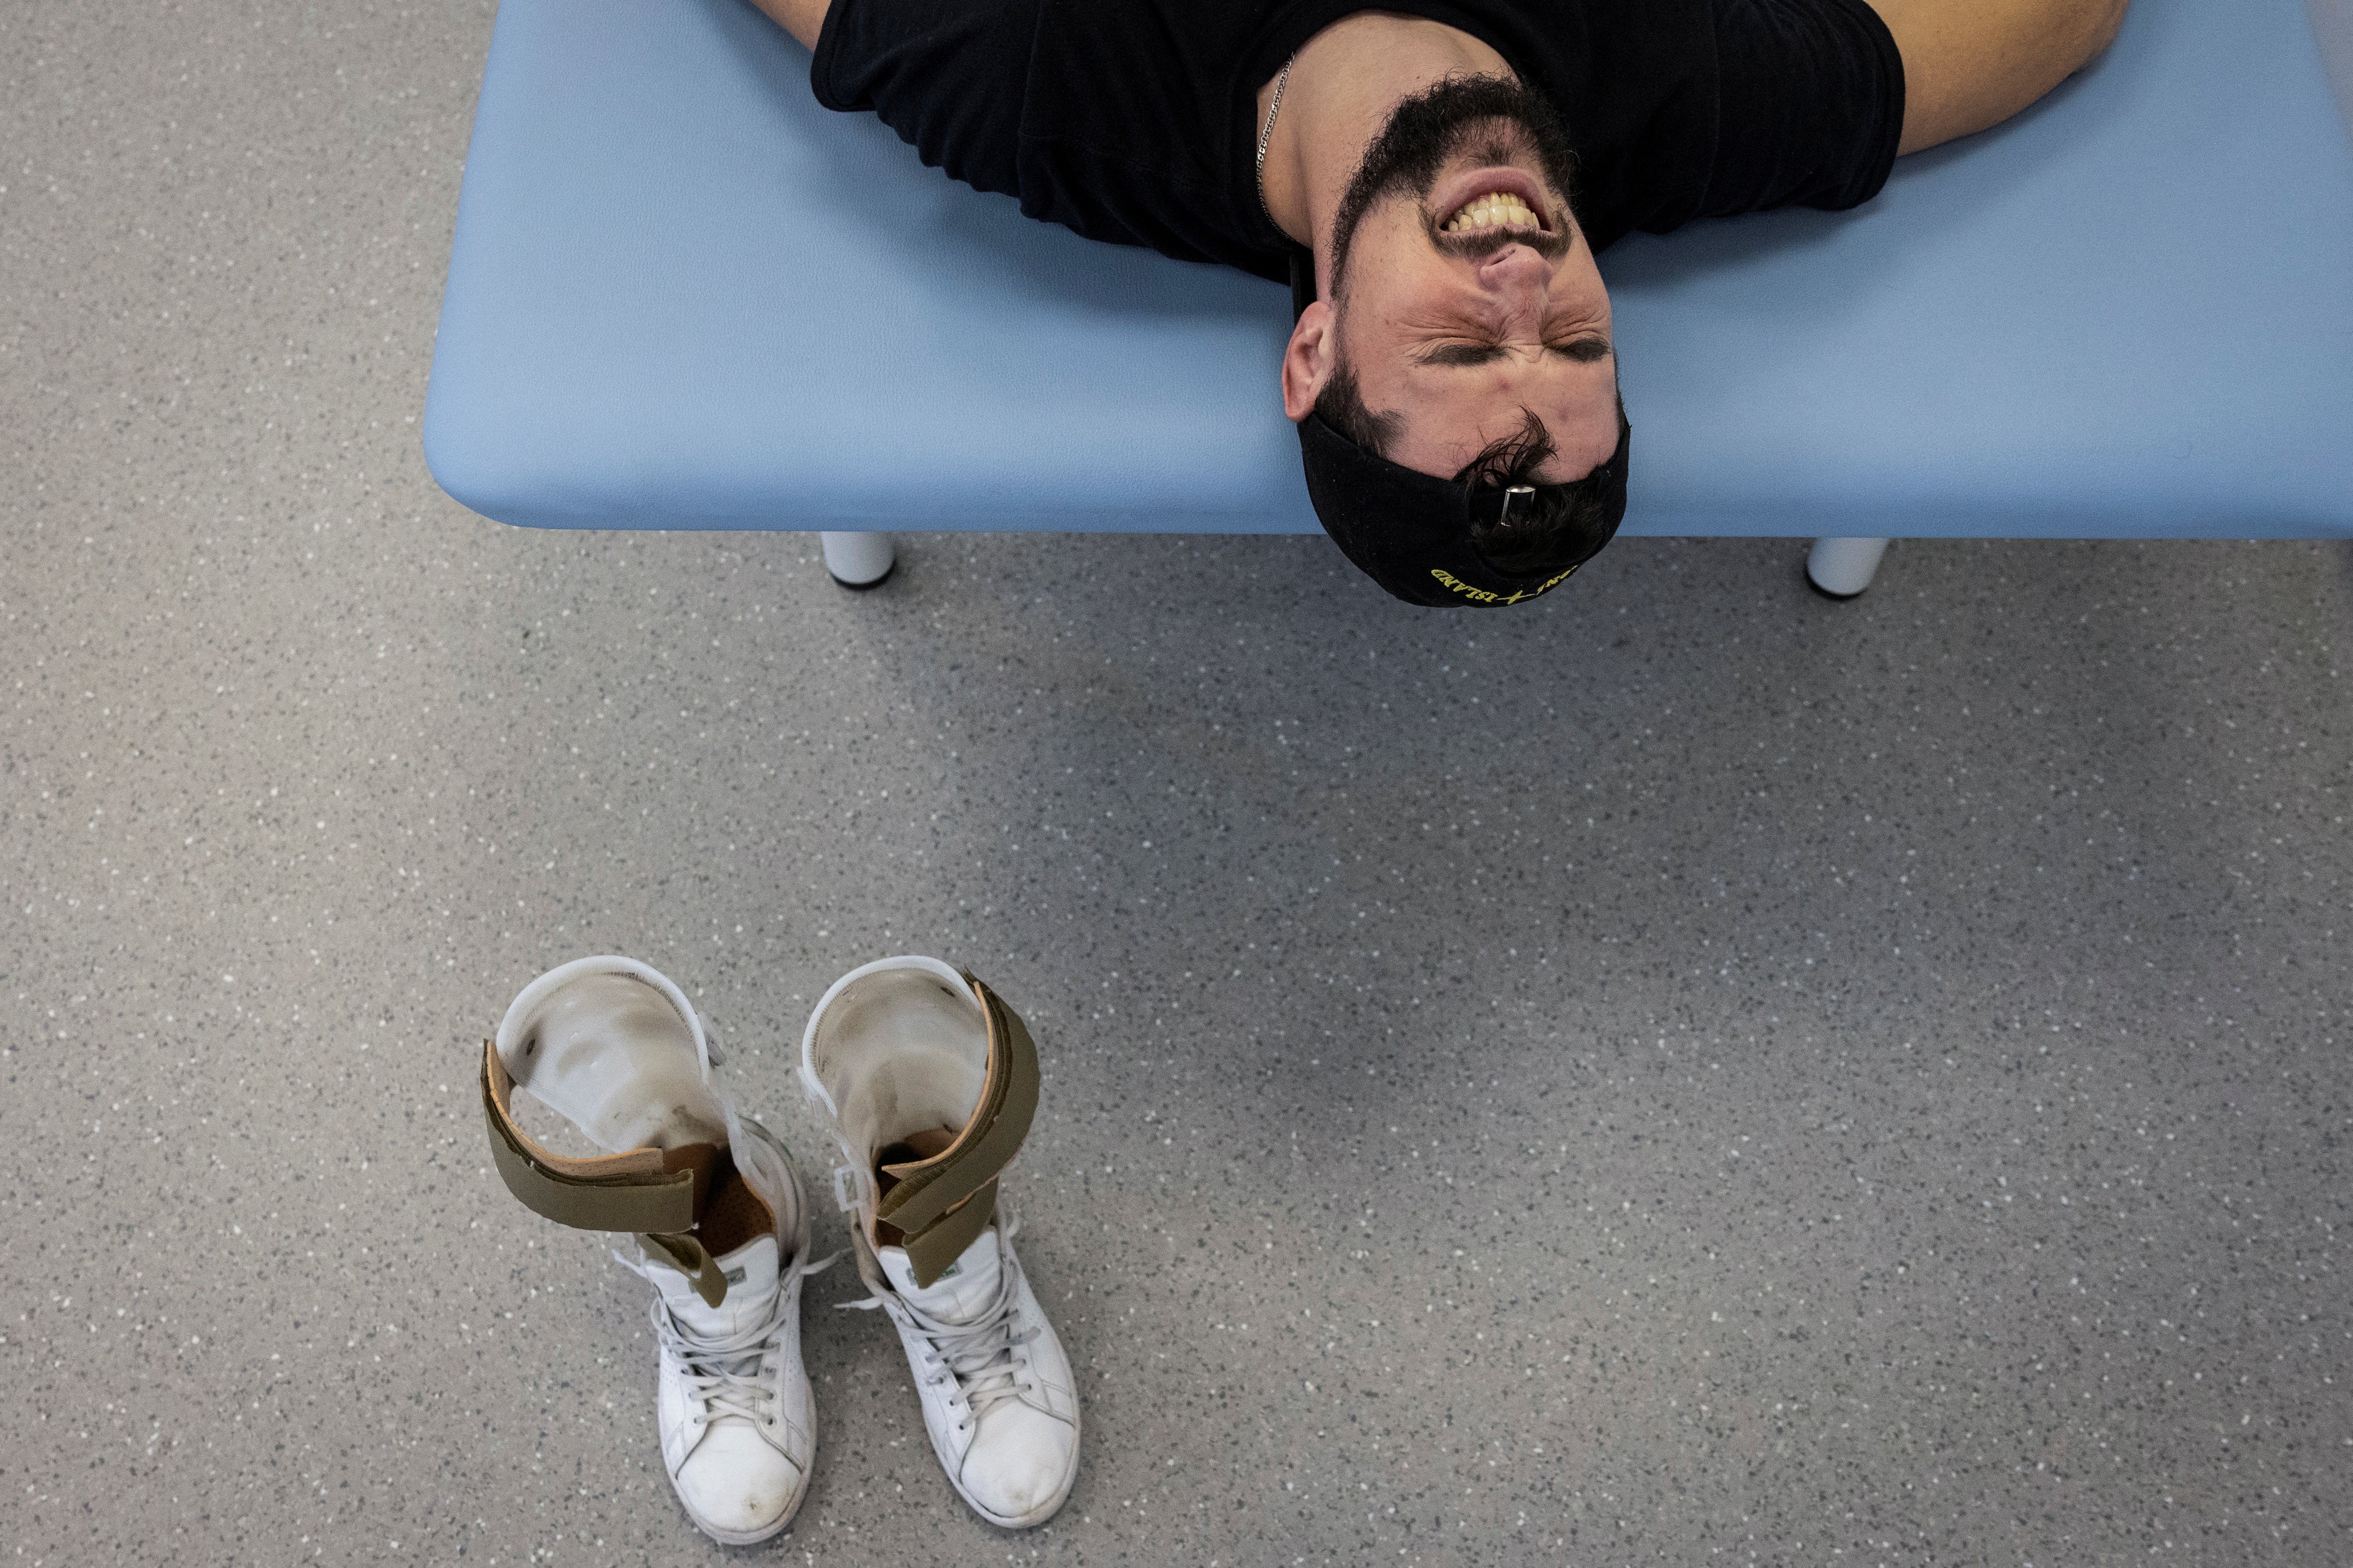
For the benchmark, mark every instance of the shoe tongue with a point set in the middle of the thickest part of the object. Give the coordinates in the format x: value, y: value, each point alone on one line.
x: 961, y: 1294
x: 751, y: 1271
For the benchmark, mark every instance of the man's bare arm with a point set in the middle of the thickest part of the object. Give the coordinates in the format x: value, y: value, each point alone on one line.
x: 802, y: 19
x: 1972, y: 64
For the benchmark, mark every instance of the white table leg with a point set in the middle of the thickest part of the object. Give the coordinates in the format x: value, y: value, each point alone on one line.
x: 1844, y: 567
x: 859, y: 560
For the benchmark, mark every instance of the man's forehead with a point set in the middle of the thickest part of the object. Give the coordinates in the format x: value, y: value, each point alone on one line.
x: 1578, y: 445
x: 1442, y: 428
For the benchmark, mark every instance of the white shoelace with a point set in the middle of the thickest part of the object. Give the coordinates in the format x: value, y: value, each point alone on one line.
x: 724, y: 1372
x: 982, y: 1355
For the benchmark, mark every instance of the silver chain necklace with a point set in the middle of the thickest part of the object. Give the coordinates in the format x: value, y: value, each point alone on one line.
x: 1267, y: 135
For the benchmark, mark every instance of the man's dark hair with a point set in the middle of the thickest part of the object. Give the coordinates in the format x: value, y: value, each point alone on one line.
x: 1342, y: 406
x: 1528, y: 537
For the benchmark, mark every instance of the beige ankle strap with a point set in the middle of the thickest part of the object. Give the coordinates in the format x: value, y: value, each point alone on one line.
x: 944, y: 1202
x: 657, y: 1193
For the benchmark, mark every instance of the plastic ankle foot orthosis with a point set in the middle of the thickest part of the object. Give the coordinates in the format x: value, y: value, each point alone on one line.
x: 928, y: 1082
x: 720, y: 1223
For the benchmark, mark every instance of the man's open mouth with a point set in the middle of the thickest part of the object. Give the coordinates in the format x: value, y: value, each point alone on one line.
x: 1491, y: 210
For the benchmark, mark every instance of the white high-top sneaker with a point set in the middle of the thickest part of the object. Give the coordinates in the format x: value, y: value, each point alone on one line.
x: 734, y: 1408
x: 721, y: 1223
x: 929, y: 1083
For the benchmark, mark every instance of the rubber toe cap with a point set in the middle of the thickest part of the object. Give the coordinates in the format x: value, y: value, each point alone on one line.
x: 1020, y: 1464
x: 736, y: 1482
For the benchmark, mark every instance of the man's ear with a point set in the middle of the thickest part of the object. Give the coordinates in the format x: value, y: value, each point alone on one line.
x: 1308, y: 359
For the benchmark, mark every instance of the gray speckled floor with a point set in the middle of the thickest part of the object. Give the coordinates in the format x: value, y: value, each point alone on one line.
x: 1689, y: 1073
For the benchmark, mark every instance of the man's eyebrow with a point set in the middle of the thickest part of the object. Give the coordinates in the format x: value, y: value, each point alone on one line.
x: 1585, y: 350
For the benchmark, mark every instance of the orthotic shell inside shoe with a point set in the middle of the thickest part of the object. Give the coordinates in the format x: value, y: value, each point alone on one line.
x: 904, y: 1054
x: 609, y: 1052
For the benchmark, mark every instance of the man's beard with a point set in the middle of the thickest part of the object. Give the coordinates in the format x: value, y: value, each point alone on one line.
x: 1455, y: 116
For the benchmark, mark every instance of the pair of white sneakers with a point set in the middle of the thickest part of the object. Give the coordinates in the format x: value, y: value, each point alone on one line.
x: 928, y: 1082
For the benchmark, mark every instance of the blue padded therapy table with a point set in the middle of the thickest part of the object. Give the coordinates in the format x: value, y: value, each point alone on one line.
x: 682, y: 295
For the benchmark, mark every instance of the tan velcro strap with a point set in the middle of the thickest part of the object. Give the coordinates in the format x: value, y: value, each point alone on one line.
x: 953, y: 1195
x: 931, y: 1251
x: 692, y: 1259
x: 657, y: 1191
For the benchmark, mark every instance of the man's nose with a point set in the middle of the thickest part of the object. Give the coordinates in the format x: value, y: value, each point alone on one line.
x: 1516, y: 274
x: 1513, y: 266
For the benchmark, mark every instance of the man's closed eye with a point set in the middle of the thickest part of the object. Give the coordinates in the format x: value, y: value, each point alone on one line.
x: 1583, y: 350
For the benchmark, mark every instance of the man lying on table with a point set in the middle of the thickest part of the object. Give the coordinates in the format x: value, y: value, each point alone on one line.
x: 1435, y: 182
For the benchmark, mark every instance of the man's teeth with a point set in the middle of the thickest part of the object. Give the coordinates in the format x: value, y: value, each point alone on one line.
x: 1494, y: 210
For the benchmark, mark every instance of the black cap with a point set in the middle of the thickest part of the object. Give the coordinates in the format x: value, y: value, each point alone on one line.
x: 1411, y: 531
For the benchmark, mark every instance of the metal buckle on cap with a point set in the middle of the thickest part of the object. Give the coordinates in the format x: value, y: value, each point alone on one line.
x: 1491, y: 505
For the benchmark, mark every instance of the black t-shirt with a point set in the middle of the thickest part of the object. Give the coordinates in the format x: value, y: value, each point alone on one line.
x: 1136, y: 121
